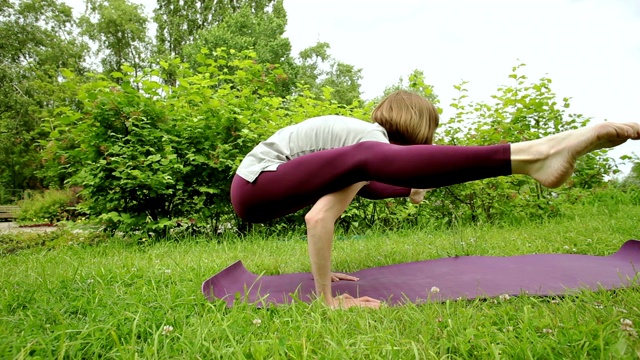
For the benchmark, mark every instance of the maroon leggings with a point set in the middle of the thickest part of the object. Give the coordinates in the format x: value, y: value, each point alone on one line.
x: 392, y: 170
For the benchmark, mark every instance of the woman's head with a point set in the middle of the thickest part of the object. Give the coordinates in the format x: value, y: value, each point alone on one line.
x: 408, y: 118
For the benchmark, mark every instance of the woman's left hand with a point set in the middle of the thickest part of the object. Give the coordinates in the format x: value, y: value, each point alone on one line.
x: 417, y: 195
x: 339, y: 276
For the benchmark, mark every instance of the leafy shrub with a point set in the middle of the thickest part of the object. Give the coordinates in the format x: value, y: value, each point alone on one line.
x: 153, y: 157
x: 520, y: 112
x: 49, y: 206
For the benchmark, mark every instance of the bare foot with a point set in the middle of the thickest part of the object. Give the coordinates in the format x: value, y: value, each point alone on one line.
x: 551, y: 160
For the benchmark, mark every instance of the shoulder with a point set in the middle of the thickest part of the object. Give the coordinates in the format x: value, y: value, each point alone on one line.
x: 338, y: 121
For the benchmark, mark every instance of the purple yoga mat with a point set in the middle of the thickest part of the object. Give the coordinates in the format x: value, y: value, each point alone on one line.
x: 464, y: 277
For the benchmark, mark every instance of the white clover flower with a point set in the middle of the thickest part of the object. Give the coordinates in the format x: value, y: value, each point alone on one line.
x: 167, y: 329
x: 598, y: 305
x: 627, y: 325
x: 555, y: 301
x: 435, y: 290
x: 565, y: 247
x: 547, y: 331
x: 504, y: 297
x: 257, y: 322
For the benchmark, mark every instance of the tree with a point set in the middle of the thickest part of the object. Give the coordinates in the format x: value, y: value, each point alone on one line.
x: 259, y: 29
x: 38, y: 38
x: 179, y: 21
x: 416, y: 83
x: 165, y: 156
x: 119, y: 28
x: 318, y: 70
x: 519, y: 112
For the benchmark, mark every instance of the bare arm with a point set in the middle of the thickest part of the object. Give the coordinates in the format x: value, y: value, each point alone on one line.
x: 320, y: 226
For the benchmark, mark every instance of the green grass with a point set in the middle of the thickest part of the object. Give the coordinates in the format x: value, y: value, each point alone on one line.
x: 113, y: 299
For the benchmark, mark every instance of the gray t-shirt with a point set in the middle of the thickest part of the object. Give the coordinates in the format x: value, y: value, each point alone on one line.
x: 315, y: 134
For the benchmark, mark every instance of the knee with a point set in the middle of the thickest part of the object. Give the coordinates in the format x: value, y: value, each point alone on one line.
x: 363, y: 153
x: 367, y: 147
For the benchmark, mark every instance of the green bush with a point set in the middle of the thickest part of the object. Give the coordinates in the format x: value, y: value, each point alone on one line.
x: 49, y: 206
x: 519, y: 112
x: 152, y: 157
x: 159, y: 158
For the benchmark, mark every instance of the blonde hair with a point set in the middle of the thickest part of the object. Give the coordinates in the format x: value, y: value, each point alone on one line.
x: 408, y: 118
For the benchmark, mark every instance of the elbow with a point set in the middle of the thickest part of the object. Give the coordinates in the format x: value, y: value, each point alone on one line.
x: 316, y: 219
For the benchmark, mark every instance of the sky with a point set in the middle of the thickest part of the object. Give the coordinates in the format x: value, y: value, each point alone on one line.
x: 589, y: 48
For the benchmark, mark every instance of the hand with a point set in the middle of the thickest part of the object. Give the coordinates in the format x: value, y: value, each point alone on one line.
x: 346, y: 301
x: 335, y: 277
x: 417, y: 195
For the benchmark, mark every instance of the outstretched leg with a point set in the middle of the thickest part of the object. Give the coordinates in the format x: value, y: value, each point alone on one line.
x: 302, y: 181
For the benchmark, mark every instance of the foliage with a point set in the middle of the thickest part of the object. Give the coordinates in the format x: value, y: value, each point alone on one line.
x: 48, y: 207
x: 154, y: 157
x: 10, y: 196
x: 162, y: 156
x: 249, y: 28
x: 261, y: 28
x: 42, y: 37
x: 119, y: 28
x: 520, y: 112
x: 155, y: 143
x: 38, y: 39
x: 327, y: 77
x: 416, y: 82
x: 179, y: 21
x: 632, y: 180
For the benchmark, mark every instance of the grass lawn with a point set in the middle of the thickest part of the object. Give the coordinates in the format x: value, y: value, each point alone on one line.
x: 119, y: 300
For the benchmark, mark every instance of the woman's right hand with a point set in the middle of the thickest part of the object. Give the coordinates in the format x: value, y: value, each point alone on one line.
x: 346, y: 301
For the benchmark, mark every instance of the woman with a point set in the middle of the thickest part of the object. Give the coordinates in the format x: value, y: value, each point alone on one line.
x: 326, y: 161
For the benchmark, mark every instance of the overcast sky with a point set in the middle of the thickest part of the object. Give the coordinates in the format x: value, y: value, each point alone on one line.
x: 589, y: 48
